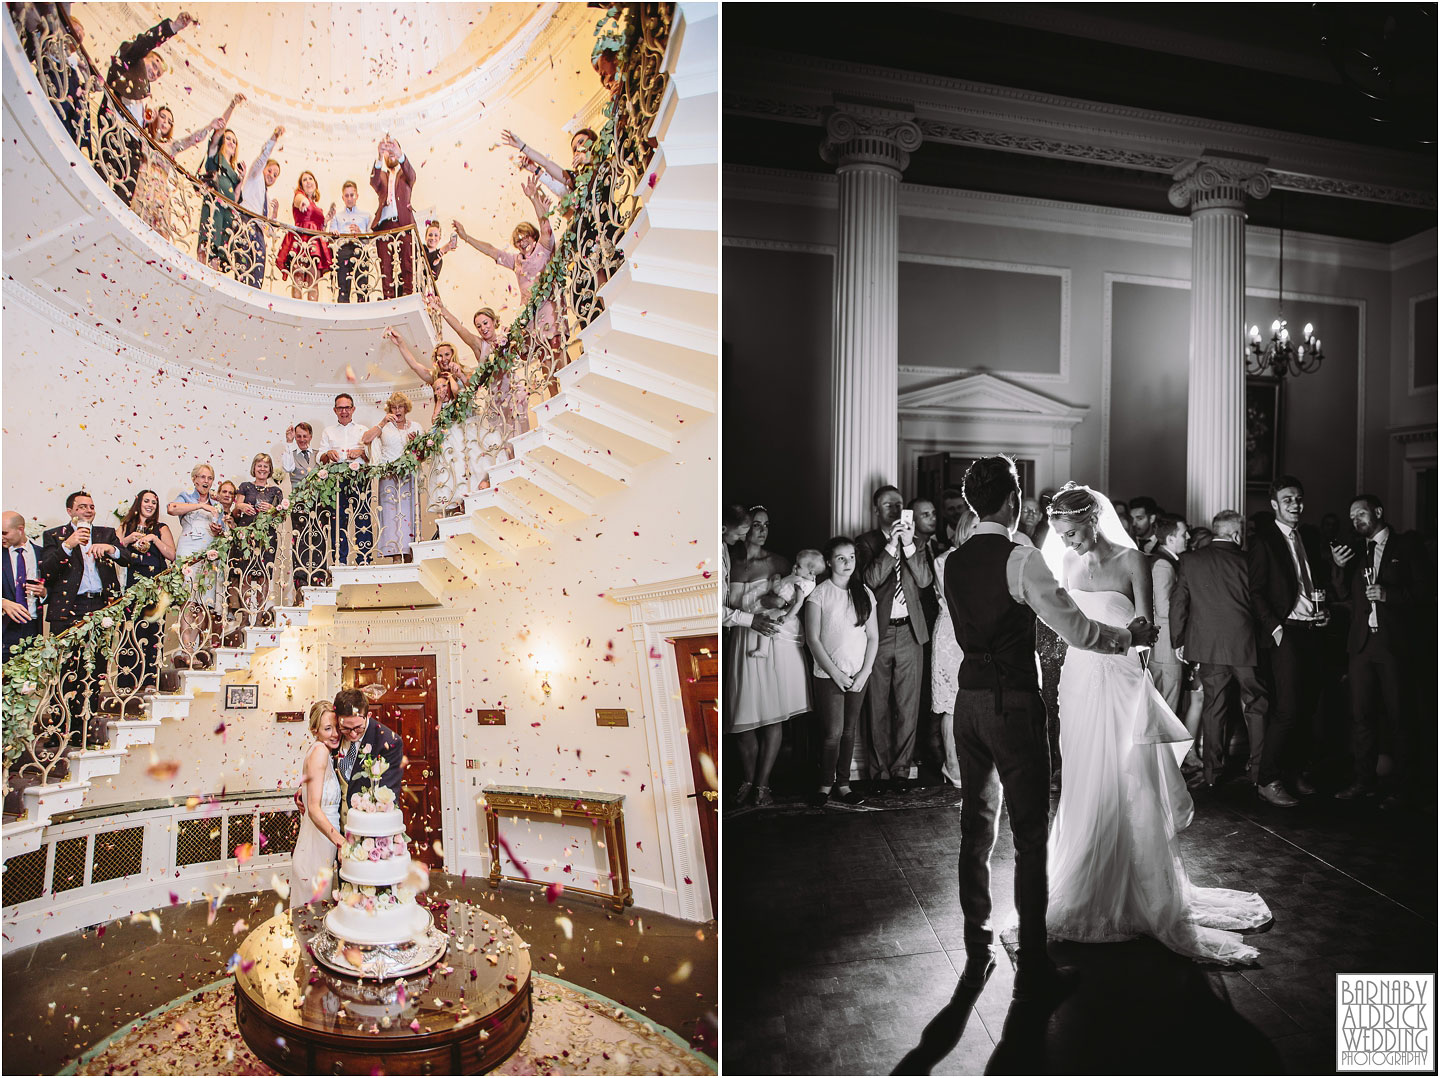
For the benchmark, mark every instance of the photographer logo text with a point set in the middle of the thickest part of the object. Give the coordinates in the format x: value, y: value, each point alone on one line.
x: 1384, y: 1022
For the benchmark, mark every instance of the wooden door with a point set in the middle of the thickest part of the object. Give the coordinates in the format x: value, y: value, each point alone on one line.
x: 698, y: 659
x: 409, y: 707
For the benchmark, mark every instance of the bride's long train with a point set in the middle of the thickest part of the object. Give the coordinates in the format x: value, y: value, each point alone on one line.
x: 1114, y: 861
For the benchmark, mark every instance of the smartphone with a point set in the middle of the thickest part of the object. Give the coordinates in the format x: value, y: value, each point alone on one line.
x: 907, y: 517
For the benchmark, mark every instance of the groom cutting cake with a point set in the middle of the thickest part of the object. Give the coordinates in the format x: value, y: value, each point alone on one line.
x: 995, y: 589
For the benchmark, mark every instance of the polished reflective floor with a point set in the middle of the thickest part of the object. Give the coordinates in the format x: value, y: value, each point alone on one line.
x: 844, y: 945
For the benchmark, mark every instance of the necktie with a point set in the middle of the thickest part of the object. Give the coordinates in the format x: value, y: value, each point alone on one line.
x: 1370, y: 557
x: 20, y: 596
x: 348, y: 764
x: 1307, y: 586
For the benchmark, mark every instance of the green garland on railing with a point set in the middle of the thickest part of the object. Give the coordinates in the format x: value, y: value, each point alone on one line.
x: 33, y: 660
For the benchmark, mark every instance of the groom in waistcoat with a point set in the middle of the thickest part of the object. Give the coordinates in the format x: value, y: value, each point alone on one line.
x: 995, y: 588
x: 360, y: 736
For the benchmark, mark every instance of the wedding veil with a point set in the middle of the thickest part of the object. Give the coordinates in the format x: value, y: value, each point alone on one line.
x: 1109, y: 526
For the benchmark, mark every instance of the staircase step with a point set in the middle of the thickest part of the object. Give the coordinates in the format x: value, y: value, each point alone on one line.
x: 21, y: 836
x: 169, y: 706
x: 125, y: 733
x: 92, y: 763
x: 666, y: 346
x: 262, y: 639
x: 545, y: 495
x: 292, y: 616
x: 641, y: 392
x: 381, y: 586
x: 198, y: 682
x: 44, y: 802
x: 514, y: 523
x: 629, y: 440
x: 229, y: 659
x: 645, y: 286
x: 593, y: 469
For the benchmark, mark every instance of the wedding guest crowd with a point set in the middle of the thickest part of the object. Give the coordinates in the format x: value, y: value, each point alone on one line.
x: 1267, y: 612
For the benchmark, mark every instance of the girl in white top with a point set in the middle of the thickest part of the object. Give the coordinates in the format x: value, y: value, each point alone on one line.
x: 312, y: 865
x: 843, y: 639
x: 397, y: 494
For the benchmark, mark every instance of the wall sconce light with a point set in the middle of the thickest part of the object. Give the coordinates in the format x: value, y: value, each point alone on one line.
x: 545, y: 683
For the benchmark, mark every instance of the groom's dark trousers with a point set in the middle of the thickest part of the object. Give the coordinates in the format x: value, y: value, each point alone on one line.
x: 1001, y: 734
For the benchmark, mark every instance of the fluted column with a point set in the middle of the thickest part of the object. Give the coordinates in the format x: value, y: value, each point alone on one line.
x: 1215, y: 190
x: 870, y: 148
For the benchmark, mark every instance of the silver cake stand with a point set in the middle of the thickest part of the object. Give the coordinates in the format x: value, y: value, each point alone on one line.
x: 386, y: 961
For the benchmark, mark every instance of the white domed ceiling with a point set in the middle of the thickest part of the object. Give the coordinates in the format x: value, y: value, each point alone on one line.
x: 444, y: 79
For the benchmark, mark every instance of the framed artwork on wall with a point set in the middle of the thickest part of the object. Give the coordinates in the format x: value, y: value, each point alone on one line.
x: 242, y: 697
x: 1262, y: 431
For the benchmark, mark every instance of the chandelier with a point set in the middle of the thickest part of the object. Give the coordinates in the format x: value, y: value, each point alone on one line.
x: 1280, y: 355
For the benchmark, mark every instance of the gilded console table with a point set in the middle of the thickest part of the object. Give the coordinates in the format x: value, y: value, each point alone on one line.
x: 605, y: 809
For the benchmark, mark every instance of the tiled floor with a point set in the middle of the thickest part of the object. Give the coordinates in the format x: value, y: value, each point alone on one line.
x: 64, y: 995
x: 844, y: 945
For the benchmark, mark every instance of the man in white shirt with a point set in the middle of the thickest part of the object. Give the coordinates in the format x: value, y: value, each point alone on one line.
x: 349, y: 221
x: 24, y: 590
x: 340, y: 446
x: 260, y: 176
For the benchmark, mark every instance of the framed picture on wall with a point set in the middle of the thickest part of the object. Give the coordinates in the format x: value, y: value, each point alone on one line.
x: 242, y: 697
x: 1262, y: 431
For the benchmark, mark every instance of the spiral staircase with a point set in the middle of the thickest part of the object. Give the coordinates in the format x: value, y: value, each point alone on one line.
x: 641, y: 371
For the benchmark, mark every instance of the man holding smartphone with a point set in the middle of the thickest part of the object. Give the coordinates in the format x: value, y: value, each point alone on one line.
x: 897, y: 571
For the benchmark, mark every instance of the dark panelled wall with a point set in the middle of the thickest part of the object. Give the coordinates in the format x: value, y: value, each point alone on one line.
x: 1149, y: 373
x: 776, y: 329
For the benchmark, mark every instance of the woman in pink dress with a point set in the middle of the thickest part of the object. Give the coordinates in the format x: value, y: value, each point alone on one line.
x: 534, y: 248
x: 311, y: 255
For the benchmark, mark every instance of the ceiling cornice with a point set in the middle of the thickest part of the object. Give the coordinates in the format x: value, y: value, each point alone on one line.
x: 797, y: 89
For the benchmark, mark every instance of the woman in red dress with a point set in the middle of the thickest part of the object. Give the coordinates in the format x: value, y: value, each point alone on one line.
x: 310, y: 254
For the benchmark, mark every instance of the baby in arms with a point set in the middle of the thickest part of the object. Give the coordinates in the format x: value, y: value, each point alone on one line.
x: 787, y: 593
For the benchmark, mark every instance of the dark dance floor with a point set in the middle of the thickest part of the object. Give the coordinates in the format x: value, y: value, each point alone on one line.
x: 843, y: 946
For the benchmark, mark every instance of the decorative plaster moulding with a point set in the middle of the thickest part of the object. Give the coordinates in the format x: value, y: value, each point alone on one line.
x: 778, y: 186
x: 249, y: 387
x: 798, y: 89
x: 986, y: 396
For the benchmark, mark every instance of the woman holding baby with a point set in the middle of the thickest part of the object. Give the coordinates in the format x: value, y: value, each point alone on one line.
x: 764, y: 685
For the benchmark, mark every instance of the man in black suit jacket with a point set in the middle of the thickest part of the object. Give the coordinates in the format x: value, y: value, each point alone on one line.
x: 24, y: 590
x: 1289, y: 573
x: 361, y: 736
x: 1212, y: 623
x: 78, y: 562
x: 1381, y: 583
x: 883, y: 555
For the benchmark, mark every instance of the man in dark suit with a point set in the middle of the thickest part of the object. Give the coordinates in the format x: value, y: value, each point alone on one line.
x: 1289, y: 578
x: 1212, y: 623
x: 78, y: 562
x: 24, y: 590
x: 896, y: 570
x: 359, y: 737
x: 1382, y: 584
x: 393, y: 178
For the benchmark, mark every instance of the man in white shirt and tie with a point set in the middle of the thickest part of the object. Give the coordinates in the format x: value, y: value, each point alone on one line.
x: 260, y: 176
x: 307, y: 536
x: 340, y: 445
x: 24, y: 590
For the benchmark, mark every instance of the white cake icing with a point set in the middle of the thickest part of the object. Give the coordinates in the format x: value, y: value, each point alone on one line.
x: 372, y: 908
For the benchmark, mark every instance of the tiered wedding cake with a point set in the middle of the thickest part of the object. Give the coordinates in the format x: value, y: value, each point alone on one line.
x: 375, y: 905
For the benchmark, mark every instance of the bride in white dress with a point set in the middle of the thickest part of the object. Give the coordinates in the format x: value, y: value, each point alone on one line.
x: 312, y: 865
x: 1114, y: 861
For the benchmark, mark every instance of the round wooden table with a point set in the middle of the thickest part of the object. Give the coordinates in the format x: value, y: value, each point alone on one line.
x: 464, y: 1015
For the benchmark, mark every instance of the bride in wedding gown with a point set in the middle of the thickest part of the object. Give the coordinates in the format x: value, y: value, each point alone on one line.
x: 1114, y: 861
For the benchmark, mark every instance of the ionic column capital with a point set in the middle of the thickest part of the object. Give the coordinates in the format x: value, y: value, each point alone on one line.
x: 867, y: 134
x: 1212, y: 182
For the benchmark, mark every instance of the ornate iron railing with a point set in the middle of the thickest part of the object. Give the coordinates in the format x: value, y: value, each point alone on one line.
x: 193, y: 211
x: 62, y: 693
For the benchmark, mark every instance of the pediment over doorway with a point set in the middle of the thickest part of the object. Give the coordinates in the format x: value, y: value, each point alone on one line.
x: 985, y: 396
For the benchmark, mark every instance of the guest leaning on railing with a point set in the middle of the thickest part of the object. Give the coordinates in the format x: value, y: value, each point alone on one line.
x: 152, y: 549
x: 154, y: 187
x: 311, y: 256
x: 42, y: 677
